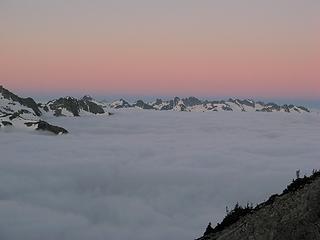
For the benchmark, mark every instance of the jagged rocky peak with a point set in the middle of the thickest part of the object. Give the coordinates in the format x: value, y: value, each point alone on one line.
x: 158, y: 102
x: 176, y: 100
x: 65, y: 106
x: 13, y: 99
x: 17, y: 112
x: 92, y: 106
x: 294, y: 215
x: 26, y: 113
x: 120, y: 104
x: 87, y: 98
x: 303, y: 108
x: 180, y: 106
x: 191, y: 101
x: 143, y: 105
x: 247, y: 102
x: 273, y: 107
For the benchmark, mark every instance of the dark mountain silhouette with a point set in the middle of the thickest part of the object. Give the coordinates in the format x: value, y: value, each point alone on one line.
x: 294, y: 215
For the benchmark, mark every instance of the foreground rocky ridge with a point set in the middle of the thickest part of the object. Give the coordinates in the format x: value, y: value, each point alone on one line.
x: 26, y: 113
x: 294, y: 215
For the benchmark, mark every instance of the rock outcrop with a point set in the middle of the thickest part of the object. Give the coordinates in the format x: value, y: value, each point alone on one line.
x: 120, y: 104
x: 44, y: 126
x: 73, y: 106
x: 141, y: 104
x: 16, y: 111
x: 27, y: 102
x: 292, y: 215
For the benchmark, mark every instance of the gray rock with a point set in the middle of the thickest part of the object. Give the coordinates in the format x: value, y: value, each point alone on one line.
x: 28, y: 102
x: 124, y: 104
x: 44, y: 126
x: 88, y: 105
x: 191, y: 101
x: 247, y: 102
x: 143, y: 105
x: 74, y: 106
x: 158, y: 102
x: 293, y: 215
x: 304, y: 109
x: 227, y: 108
x: 7, y: 123
x: 176, y: 101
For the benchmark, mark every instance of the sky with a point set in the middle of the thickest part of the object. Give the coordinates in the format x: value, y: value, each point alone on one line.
x: 266, y: 49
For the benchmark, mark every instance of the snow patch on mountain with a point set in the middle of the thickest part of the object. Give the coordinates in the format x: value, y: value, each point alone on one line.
x: 25, y: 113
x: 193, y: 104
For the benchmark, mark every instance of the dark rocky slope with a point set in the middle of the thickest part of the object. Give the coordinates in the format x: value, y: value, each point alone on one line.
x: 44, y: 126
x: 292, y: 215
x: 16, y: 111
x: 27, y: 102
x: 74, y: 106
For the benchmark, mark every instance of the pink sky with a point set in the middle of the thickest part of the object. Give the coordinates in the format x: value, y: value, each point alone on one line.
x: 251, y: 50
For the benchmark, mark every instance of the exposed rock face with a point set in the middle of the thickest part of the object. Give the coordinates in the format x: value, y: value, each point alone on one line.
x: 15, y: 110
x: 26, y: 113
x: 227, y: 108
x: 303, y: 108
x: 87, y: 98
x: 27, y: 102
x: 74, y: 106
x: 120, y: 104
x: 44, y: 126
x: 6, y: 123
x: 293, y: 215
x: 180, y: 106
x: 69, y: 103
x: 191, y: 101
x: 143, y: 105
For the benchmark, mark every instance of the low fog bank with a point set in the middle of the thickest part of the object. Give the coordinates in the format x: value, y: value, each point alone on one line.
x: 145, y: 174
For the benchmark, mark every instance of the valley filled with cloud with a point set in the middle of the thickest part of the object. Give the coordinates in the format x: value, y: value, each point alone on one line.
x: 147, y: 174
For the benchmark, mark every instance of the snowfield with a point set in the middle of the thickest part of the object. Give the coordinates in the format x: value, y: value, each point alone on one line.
x: 147, y: 174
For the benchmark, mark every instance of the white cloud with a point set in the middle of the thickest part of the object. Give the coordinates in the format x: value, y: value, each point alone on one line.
x: 147, y: 175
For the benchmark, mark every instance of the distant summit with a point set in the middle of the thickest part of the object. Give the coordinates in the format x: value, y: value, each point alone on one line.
x: 120, y: 104
x: 67, y: 106
x: 193, y: 104
x: 18, y: 111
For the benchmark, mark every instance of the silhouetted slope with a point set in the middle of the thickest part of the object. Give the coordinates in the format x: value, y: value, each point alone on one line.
x: 293, y: 215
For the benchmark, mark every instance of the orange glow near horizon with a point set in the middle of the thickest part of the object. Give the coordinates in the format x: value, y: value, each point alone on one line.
x: 230, y: 58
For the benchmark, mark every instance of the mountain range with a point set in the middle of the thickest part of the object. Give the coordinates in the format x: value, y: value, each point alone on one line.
x: 21, y: 112
x: 16, y: 111
x: 193, y: 104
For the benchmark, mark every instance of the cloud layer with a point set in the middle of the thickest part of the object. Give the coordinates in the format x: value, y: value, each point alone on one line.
x: 147, y: 175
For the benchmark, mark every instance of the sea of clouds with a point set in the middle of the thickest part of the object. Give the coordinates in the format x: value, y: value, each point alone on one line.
x: 147, y: 175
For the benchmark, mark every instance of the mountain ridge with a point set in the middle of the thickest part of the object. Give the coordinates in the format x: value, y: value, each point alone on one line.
x: 16, y: 110
x: 21, y: 112
x: 193, y: 104
x: 294, y: 214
